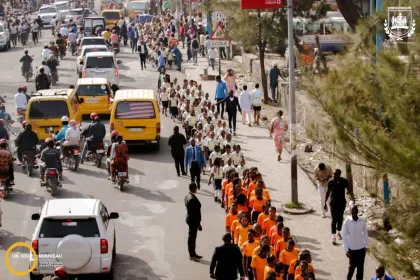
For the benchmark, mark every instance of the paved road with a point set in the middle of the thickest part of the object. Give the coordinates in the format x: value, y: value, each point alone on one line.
x: 151, y: 232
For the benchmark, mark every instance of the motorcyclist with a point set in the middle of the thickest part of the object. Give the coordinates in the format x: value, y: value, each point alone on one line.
x: 116, y: 28
x: 26, y: 61
x: 119, y: 156
x: 6, y: 162
x: 54, y: 49
x: 21, y: 101
x: 114, y: 135
x: 42, y: 81
x: 50, y: 158
x: 64, y: 31
x: 61, y: 135
x: 72, y: 134
x: 114, y: 38
x: 61, y: 43
x: 106, y: 35
x: 45, y: 53
x: 26, y: 141
x: 73, y: 28
x: 24, y: 89
x: 94, y: 133
x: 5, y: 116
x: 3, y: 131
x: 53, y: 63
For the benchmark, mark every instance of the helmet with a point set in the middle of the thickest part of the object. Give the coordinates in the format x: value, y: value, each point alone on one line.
x: 93, y: 116
x: 3, y: 141
x: 48, y: 140
x: 114, y: 133
x: 24, y: 87
x: 2, y: 122
x: 64, y: 119
x: 24, y: 124
x: 60, y: 272
x: 72, y: 122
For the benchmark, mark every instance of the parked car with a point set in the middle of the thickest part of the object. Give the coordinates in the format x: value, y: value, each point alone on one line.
x: 4, y: 37
x: 78, y: 234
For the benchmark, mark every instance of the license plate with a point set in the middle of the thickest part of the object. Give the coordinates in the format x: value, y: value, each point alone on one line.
x: 92, y: 100
x: 100, y: 151
x: 122, y: 174
x: 135, y: 129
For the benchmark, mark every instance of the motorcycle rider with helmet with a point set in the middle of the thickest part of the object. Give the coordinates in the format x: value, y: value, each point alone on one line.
x: 94, y: 133
x: 61, y: 135
x: 114, y: 135
x: 6, y: 158
x: 25, y: 141
x: 50, y: 158
x: 61, y: 44
x: 119, y: 156
x: 53, y: 63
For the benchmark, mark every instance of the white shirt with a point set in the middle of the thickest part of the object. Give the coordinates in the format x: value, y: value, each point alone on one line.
x: 226, y: 157
x: 173, y: 101
x: 210, y: 143
x: 45, y: 54
x: 164, y: 96
x: 13, y: 30
x: 20, y: 101
x: 53, y: 22
x: 72, y: 136
x: 230, y: 143
x: 240, y: 170
x: 217, y: 172
x: 34, y: 27
x: 191, y: 120
x: 355, y: 234
x: 245, y: 100
x: 64, y: 31
x: 212, y: 53
x: 237, y: 158
x: 47, y: 69
x: 256, y: 97
x: 228, y: 168
x: 215, y: 155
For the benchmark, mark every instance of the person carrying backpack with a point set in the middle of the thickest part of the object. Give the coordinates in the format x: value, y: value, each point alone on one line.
x: 195, y: 46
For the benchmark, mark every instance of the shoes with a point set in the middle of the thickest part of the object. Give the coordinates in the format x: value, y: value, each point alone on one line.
x: 234, y: 134
x: 194, y: 259
x: 60, y: 178
x: 334, y: 241
x: 184, y: 173
x: 198, y: 257
x: 279, y: 158
x: 179, y: 175
x: 219, y: 201
x: 11, y: 182
x: 109, y: 177
x: 339, y: 236
x: 215, y: 199
x: 323, y: 215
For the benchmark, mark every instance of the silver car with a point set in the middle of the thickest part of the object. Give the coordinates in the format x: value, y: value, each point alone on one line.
x: 79, y: 14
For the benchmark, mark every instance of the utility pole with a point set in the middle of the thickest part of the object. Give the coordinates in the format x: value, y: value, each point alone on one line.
x: 292, y: 103
x: 379, y: 35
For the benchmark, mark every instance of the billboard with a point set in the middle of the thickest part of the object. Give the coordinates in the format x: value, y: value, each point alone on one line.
x: 261, y: 4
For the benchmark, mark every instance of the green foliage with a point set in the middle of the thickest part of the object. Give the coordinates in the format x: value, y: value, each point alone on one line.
x: 371, y: 103
x: 293, y: 205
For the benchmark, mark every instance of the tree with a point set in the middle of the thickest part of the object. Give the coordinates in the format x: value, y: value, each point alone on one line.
x: 372, y: 104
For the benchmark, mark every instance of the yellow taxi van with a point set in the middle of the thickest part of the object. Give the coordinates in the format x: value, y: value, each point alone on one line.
x: 137, y: 7
x: 111, y: 17
x: 135, y: 114
x: 46, y: 108
x: 97, y: 95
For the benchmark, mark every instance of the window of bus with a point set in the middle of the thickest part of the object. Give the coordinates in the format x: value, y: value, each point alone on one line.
x: 111, y: 15
x: 138, y: 6
x: 312, y: 28
x: 298, y: 28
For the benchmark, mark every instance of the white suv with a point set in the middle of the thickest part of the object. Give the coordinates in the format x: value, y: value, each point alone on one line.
x: 101, y: 65
x: 78, y: 234
x: 47, y: 12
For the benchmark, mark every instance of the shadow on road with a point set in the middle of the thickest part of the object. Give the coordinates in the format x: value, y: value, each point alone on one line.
x: 147, y: 194
x: 24, y: 198
x: 7, y: 239
x: 132, y: 268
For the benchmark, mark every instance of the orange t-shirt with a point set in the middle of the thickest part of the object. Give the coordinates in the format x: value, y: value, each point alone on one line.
x: 267, y: 225
x: 296, y: 270
x: 251, y: 187
x: 230, y: 218
x: 275, y: 238
x: 172, y: 42
x: 256, y: 205
x: 273, y: 230
x: 258, y: 264
x: 267, y: 269
x: 256, y: 251
x: 248, y: 248
x: 243, y: 208
x: 231, y: 199
x: 231, y: 191
x: 233, y: 228
x: 298, y: 277
x: 257, y: 237
x: 266, y: 194
x: 261, y: 218
x: 287, y: 257
x: 242, y: 234
x: 224, y: 183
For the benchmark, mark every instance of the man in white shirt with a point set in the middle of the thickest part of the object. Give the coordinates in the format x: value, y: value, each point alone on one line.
x: 54, y: 22
x: 212, y: 57
x: 257, y: 101
x: 64, y: 31
x: 355, y: 242
x: 20, y: 100
x: 47, y: 69
x: 35, y: 27
x: 322, y: 173
x: 45, y: 53
x: 246, y: 104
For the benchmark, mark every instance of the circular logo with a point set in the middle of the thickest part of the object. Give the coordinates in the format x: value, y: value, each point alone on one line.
x: 7, y: 263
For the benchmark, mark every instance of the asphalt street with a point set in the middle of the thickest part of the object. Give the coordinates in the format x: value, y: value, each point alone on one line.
x: 151, y: 232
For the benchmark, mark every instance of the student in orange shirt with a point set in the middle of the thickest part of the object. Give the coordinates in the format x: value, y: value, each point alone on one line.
x: 276, y: 237
x: 258, y: 262
x: 279, y: 219
x: 235, y: 225
x: 264, y: 214
x: 300, y: 276
x: 253, y: 184
x: 232, y: 198
x: 282, y: 243
x: 242, y: 231
x: 288, y: 255
x: 271, y: 275
x: 266, y: 194
x: 242, y: 206
x: 270, y: 221
x: 228, y: 179
x: 256, y: 203
x: 249, y: 177
x: 247, y: 251
x: 231, y: 190
x: 258, y: 231
x: 295, y: 267
x: 279, y: 268
x: 231, y: 217
x: 271, y: 261
x: 265, y: 240
x: 230, y: 186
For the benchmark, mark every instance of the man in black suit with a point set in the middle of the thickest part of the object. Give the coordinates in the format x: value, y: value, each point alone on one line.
x: 232, y: 107
x: 177, y: 142
x: 227, y: 260
x: 193, y: 221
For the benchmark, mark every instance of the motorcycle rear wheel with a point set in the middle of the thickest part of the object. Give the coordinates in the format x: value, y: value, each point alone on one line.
x: 120, y: 184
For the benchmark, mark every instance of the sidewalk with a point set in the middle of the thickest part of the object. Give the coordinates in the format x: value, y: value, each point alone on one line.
x: 310, y: 231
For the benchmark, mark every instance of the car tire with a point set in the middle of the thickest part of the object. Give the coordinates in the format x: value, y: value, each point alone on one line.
x: 35, y: 277
x: 109, y: 275
x: 114, y: 250
x: 156, y: 146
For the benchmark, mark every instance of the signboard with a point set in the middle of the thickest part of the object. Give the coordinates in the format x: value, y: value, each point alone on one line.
x: 219, y: 33
x: 219, y: 44
x: 261, y: 4
x: 217, y: 17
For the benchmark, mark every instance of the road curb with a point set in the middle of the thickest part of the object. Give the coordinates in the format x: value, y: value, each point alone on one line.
x: 293, y: 211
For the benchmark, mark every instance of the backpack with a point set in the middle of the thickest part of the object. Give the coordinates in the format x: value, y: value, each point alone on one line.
x: 195, y: 44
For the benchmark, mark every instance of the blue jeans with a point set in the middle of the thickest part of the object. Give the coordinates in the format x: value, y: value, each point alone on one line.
x: 133, y: 44
x: 85, y: 150
x: 194, y: 54
x: 178, y: 63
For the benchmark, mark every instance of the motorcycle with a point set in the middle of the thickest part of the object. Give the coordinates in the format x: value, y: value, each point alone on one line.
x: 29, y: 162
x: 70, y: 156
x: 116, y: 48
x: 27, y: 73
x: 120, y: 177
x: 95, y: 153
x: 5, y: 188
x: 61, y: 53
x: 21, y: 115
x: 51, y: 180
x: 54, y: 77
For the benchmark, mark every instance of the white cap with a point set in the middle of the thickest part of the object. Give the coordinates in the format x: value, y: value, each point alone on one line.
x: 64, y: 119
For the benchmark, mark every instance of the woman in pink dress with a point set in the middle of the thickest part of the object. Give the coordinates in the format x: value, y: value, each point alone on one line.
x: 278, y: 131
x: 230, y: 80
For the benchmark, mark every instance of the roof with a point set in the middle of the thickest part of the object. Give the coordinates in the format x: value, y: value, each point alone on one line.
x: 90, y: 38
x: 92, y: 81
x: 135, y: 93
x: 107, y: 11
x: 59, y: 92
x: 96, y: 54
x: 46, y: 6
x: 71, y: 207
x: 93, y: 46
